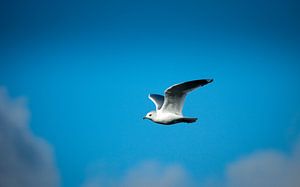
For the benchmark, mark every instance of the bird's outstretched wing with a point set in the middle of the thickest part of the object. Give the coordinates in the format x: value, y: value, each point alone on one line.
x: 175, y: 95
x: 158, y: 100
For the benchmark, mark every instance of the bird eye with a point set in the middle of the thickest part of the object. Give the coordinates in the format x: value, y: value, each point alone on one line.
x: 150, y: 114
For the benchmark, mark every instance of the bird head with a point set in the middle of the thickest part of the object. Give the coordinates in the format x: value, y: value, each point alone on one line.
x: 150, y: 115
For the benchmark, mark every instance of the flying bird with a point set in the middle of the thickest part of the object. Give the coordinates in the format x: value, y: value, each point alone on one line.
x: 169, y: 107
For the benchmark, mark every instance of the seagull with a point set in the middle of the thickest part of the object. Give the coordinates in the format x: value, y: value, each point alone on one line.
x: 169, y: 107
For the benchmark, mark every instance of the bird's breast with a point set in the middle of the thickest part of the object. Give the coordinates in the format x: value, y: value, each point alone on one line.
x: 166, y: 117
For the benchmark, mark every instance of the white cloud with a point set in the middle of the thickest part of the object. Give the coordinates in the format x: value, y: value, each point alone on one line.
x: 146, y: 174
x: 25, y: 160
x: 154, y: 174
x: 266, y: 168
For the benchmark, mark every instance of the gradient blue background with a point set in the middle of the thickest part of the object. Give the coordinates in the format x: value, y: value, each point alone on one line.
x: 87, y: 68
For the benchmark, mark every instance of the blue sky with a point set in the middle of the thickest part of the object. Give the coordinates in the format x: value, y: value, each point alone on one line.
x: 86, y: 70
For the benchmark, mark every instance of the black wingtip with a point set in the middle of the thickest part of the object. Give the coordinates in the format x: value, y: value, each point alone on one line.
x: 210, y: 80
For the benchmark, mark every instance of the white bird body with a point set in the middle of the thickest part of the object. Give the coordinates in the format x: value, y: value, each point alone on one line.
x: 165, y: 117
x: 169, y: 107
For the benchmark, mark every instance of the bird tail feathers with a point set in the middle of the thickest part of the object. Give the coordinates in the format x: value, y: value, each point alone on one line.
x: 189, y: 120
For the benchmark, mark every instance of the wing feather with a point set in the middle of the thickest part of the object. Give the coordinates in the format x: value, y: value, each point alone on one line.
x: 158, y: 100
x: 175, y: 95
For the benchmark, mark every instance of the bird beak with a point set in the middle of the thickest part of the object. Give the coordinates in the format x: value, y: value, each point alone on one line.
x: 144, y: 117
